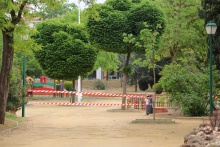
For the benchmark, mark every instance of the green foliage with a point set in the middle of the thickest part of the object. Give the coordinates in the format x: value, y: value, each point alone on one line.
x: 157, y: 88
x: 115, y: 20
x: 68, y: 85
x: 161, y: 99
x: 128, y: 70
x: 144, y: 82
x: 10, y: 116
x: 105, y: 36
x: 18, y: 8
x: 66, y: 53
x: 188, y: 87
x: 15, y: 99
x: 107, y: 61
x: 151, y: 41
x: 209, y: 11
x: 121, y: 5
x: 149, y: 13
x: 136, y: 1
x: 184, y: 32
x: 98, y: 84
x: 33, y: 68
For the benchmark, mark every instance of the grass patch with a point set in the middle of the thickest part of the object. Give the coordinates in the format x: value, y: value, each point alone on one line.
x: 11, y: 121
x: 151, y: 121
x: 10, y: 116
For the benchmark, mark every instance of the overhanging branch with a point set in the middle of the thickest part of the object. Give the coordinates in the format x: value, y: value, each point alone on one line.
x: 15, y: 19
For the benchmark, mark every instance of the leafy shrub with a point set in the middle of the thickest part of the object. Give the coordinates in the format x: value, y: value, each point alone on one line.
x: 188, y: 87
x: 15, y: 96
x: 99, y: 85
x: 68, y: 85
x: 157, y: 88
x: 144, y: 82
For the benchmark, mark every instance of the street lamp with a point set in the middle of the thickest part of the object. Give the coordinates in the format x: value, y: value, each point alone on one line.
x: 24, y: 85
x: 211, y: 28
x: 79, y: 77
x: 25, y: 38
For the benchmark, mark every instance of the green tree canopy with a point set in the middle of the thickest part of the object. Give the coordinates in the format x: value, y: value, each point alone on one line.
x: 184, y: 33
x: 123, y: 16
x: 118, y: 17
x: 66, y: 52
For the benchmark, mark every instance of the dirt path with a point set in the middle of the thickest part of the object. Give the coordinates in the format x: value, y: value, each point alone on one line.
x: 77, y: 126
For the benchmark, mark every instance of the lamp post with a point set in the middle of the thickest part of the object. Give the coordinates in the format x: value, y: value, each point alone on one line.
x: 24, y: 85
x: 211, y: 28
x: 79, y: 77
x: 23, y: 79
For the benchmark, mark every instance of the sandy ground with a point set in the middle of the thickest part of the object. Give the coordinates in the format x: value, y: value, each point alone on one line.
x: 86, y: 126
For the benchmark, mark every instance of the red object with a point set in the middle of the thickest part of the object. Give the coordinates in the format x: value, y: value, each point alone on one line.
x: 43, y: 79
x: 161, y: 110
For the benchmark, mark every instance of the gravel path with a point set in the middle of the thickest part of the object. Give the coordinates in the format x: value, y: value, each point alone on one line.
x: 86, y: 126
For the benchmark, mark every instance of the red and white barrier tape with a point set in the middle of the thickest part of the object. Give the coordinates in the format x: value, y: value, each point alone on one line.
x: 92, y: 94
x: 81, y: 104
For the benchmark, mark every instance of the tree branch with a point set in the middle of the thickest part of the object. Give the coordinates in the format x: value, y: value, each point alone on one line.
x: 12, y: 13
x: 18, y: 18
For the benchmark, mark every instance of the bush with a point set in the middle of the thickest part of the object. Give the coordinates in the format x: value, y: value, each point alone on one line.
x: 99, y: 85
x: 157, y: 88
x: 15, y: 95
x: 144, y: 82
x: 68, y: 85
x: 188, y: 86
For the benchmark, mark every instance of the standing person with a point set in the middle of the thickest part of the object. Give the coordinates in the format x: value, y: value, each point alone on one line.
x: 149, y: 103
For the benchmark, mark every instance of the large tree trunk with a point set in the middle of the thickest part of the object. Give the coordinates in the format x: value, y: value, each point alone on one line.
x: 7, y: 60
x: 123, y: 107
